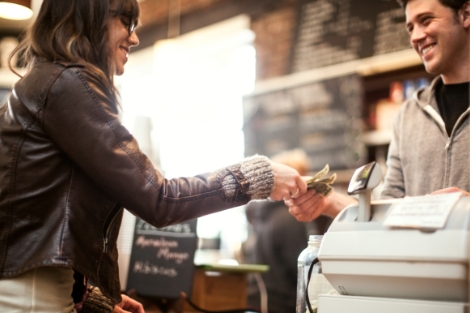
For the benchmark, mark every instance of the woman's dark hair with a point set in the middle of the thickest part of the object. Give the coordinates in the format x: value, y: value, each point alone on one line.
x: 75, y: 31
x: 455, y: 5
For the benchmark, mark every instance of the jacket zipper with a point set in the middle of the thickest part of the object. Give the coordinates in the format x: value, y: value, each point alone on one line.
x: 109, y: 222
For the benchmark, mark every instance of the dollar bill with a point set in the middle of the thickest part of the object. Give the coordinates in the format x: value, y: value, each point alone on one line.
x: 322, y: 184
x: 320, y: 174
x: 328, y: 180
x: 321, y: 188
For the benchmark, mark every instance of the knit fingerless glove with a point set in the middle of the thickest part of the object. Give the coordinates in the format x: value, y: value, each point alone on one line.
x: 253, y: 177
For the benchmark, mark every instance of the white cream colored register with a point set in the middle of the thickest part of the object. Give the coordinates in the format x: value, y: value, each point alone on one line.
x: 406, y: 255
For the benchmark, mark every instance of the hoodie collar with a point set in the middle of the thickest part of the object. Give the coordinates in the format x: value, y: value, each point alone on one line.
x: 426, y: 99
x: 425, y: 96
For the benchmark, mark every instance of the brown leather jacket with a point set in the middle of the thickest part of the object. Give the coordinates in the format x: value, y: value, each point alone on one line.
x: 67, y: 169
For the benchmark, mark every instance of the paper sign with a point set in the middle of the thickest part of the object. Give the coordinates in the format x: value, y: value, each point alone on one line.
x: 429, y: 211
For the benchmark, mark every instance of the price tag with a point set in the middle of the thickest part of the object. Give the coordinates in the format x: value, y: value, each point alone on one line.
x: 429, y: 211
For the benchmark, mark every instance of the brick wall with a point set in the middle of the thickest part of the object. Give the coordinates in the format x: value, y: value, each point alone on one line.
x: 274, y: 29
x: 153, y: 11
x: 274, y: 33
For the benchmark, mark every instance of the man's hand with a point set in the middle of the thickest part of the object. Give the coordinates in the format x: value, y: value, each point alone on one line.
x: 311, y: 205
x: 450, y: 190
x: 128, y: 305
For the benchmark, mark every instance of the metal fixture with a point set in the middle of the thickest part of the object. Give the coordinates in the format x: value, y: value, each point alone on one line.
x: 16, y: 9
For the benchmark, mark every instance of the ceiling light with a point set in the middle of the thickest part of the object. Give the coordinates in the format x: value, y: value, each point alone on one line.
x: 16, y: 9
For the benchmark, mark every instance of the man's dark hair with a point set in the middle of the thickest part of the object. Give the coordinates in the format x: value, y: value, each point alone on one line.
x: 455, y: 5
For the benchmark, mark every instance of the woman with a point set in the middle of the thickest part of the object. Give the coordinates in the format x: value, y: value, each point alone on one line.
x: 68, y: 167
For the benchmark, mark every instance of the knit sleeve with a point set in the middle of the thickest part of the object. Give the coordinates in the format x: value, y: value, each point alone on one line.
x: 253, y: 177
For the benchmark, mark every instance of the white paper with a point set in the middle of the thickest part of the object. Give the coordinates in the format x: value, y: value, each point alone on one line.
x: 422, y: 212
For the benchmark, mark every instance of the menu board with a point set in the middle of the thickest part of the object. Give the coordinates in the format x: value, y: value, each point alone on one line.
x: 336, y: 31
x: 162, y: 259
x: 323, y: 118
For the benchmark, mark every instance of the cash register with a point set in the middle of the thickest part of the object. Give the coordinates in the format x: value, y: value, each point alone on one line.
x: 407, y: 255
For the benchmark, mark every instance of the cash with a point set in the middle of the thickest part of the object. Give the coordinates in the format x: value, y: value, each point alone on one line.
x: 322, y: 184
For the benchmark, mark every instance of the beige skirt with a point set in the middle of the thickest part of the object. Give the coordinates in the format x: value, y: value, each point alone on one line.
x: 41, y: 290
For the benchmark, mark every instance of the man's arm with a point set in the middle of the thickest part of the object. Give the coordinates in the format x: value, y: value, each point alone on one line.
x: 450, y: 190
x: 394, y: 182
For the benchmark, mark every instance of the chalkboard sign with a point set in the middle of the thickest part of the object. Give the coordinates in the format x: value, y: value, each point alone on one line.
x: 335, y: 31
x: 162, y: 259
x: 323, y: 118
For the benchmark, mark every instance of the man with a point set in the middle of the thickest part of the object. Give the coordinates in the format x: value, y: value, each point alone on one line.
x: 429, y: 151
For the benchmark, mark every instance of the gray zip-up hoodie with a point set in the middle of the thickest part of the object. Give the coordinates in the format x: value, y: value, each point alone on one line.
x: 422, y: 158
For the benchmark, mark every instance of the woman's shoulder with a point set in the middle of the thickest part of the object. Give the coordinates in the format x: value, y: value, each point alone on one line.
x: 45, y: 73
x: 47, y: 68
x: 69, y: 75
x: 50, y: 80
x: 38, y: 81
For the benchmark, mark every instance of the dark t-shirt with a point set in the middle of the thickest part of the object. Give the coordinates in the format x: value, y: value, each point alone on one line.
x: 452, y: 100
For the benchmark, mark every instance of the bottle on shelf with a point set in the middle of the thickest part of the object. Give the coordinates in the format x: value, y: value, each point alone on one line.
x: 409, y: 88
x: 422, y: 82
x: 306, y: 257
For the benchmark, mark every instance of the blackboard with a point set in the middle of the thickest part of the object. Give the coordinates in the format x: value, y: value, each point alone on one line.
x: 336, y: 31
x: 162, y: 259
x: 323, y: 118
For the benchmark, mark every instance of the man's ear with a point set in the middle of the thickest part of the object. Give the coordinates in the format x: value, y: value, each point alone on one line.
x: 465, y: 14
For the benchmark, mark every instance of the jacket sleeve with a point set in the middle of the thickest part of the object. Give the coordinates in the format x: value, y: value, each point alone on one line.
x: 394, y: 183
x: 80, y: 120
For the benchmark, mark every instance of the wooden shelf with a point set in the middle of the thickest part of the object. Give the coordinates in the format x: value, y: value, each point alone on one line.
x: 364, y: 67
x: 377, y: 137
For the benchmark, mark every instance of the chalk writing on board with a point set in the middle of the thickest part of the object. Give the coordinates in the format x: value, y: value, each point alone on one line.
x: 163, y: 247
x: 336, y: 31
x: 161, y: 262
x: 183, y: 228
x: 148, y: 268
x: 324, y: 118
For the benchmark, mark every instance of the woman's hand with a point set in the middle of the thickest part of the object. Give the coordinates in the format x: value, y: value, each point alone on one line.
x: 287, y: 183
x: 128, y: 305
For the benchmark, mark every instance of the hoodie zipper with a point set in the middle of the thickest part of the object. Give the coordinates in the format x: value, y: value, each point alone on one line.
x: 449, y: 142
x: 107, y: 226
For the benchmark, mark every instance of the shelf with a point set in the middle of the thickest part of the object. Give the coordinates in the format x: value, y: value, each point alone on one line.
x: 377, y: 137
x: 344, y: 176
x: 364, y: 67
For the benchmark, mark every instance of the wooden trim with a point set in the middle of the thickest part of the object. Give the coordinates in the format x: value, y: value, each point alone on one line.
x: 220, y: 11
x: 364, y: 67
